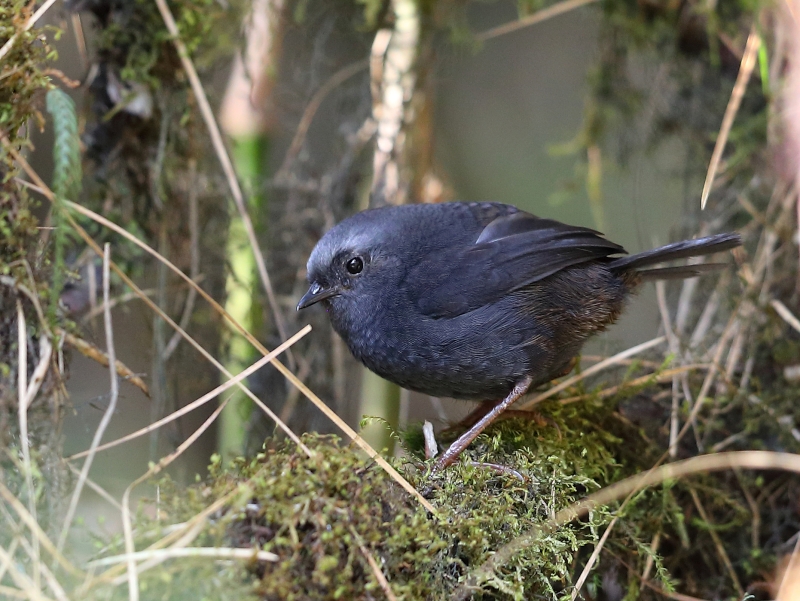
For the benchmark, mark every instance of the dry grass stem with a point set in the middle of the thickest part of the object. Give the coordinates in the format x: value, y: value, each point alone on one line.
x: 790, y: 573
x: 109, y: 412
x: 204, y: 399
x: 80, y: 40
x: 431, y: 448
x: 710, y: 376
x: 537, y: 17
x: 25, y: 584
x: 127, y: 525
x: 119, y: 300
x: 13, y: 593
x: 22, y: 412
x: 101, y: 492
x: 723, y: 555
x: 227, y: 165
x: 36, y: 531
x: 648, y: 563
x: 373, y: 565
x: 90, y: 351
x: 12, y: 283
x: 635, y: 350
x: 709, y: 312
x: 642, y: 362
x: 787, y: 315
x: 664, y: 376
x: 39, y: 373
x: 745, y: 71
x: 212, y: 552
x: 651, y: 585
x: 12, y: 548
x: 593, y: 559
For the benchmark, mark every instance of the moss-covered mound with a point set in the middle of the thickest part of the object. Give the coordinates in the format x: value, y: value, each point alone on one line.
x: 339, y: 524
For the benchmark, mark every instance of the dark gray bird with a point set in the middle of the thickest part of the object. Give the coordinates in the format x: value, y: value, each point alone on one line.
x: 477, y: 301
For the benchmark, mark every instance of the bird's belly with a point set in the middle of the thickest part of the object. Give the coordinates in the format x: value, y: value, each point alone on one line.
x: 471, y: 365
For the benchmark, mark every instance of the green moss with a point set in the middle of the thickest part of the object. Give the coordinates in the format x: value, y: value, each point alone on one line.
x: 137, y: 40
x: 320, y: 515
x: 24, y: 83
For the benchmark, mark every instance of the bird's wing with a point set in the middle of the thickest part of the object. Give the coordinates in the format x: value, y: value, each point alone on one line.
x: 511, y: 252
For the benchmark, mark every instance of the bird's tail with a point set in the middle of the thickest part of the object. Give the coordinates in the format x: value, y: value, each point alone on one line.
x: 676, y: 250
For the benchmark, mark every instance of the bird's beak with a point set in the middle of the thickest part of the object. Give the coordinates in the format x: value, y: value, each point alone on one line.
x: 315, y: 294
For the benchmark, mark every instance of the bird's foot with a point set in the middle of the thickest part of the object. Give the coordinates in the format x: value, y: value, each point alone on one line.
x: 462, y: 442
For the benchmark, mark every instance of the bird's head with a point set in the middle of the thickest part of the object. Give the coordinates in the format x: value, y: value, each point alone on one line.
x: 352, y: 264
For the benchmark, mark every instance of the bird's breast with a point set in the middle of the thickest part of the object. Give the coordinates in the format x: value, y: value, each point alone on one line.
x: 466, y: 357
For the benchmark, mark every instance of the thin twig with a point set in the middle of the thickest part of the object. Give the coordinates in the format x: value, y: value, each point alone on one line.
x: 22, y: 411
x: 227, y: 166
x: 755, y: 529
x: 674, y: 349
x: 119, y: 300
x: 710, y: 376
x: 194, y: 261
x: 745, y: 71
x: 333, y: 82
x: 109, y: 412
x: 80, y: 41
x: 537, y: 17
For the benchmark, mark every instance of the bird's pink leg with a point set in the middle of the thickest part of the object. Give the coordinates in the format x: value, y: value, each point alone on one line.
x: 463, y: 441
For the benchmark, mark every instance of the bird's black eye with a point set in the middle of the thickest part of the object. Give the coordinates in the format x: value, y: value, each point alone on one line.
x: 354, y: 266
